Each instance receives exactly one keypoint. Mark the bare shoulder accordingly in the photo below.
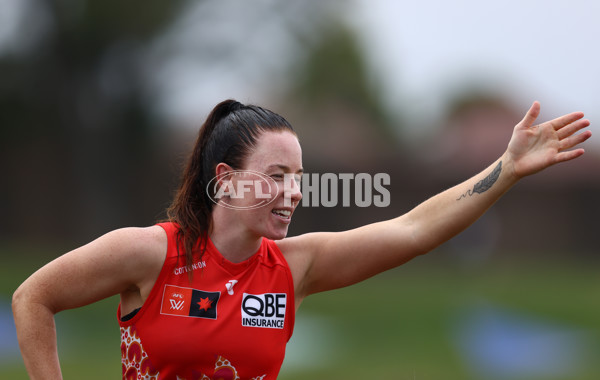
(123, 260)
(135, 253)
(146, 240)
(144, 248)
(292, 247)
(142, 254)
(299, 253)
(297, 245)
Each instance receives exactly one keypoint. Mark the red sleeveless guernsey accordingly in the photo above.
(231, 322)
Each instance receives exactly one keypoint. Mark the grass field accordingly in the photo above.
(430, 319)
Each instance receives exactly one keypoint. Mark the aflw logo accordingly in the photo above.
(177, 305)
(177, 301)
(188, 302)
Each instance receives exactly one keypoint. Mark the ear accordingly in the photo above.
(221, 171)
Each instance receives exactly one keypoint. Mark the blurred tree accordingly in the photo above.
(73, 129)
(233, 49)
(335, 70)
(335, 100)
(83, 83)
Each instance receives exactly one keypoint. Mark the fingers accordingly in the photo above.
(569, 155)
(570, 129)
(574, 140)
(531, 115)
(564, 120)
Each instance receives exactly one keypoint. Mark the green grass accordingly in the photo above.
(398, 325)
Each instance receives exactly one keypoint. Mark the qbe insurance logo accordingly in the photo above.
(264, 310)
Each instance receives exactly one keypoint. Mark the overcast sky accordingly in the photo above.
(426, 51)
(544, 50)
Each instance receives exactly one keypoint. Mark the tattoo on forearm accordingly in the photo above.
(485, 184)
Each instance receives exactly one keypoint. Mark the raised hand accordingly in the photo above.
(535, 147)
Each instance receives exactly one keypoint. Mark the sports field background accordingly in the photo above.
(512, 318)
(100, 100)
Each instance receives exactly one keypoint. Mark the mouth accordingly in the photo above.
(282, 214)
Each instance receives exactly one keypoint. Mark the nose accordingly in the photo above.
(292, 193)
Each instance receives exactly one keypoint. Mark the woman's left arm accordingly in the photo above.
(531, 149)
(324, 261)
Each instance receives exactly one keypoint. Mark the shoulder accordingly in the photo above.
(134, 239)
(143, 243)
(135, 251)
(137, 255)
(303, 244)
(299, 252)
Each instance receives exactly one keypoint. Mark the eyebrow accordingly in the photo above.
(285, 168)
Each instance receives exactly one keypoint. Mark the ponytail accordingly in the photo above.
(228, 135)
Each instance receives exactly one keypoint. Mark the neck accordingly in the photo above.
(235, 243)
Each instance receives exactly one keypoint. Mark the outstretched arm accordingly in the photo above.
(323, 261)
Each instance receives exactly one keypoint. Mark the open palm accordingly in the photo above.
(536, 147)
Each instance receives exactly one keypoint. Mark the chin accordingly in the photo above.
(276, 235)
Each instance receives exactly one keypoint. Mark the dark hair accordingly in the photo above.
(228, 135)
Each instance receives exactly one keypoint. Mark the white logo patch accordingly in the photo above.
(264, 310)
(229, 286)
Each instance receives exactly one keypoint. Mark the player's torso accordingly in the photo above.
(230, 320)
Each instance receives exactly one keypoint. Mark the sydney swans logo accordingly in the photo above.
(226, 188)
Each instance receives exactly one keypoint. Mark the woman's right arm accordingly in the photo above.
(123, 261)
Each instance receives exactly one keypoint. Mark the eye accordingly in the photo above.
(289, 177)
(277, 176)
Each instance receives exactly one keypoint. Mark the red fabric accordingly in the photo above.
(231, 322)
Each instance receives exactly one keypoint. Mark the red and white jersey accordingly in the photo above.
(232, 321)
